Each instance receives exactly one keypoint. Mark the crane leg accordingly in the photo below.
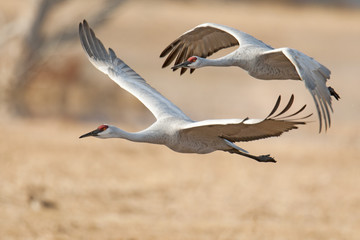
(333, 93)
(261, 158)
(236, 149)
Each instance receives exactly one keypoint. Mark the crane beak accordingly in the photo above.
(181, 65)
(91, 134)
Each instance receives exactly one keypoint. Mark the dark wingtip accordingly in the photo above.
(163, 53)
(291, 101)
(85, 23)
(182, 71)
(82, 24)
(165, 64)
(275, 107)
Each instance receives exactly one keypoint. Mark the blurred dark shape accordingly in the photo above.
(343, 3)
(37, 199)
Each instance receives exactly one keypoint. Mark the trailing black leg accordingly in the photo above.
(333, 93)
(261, 158)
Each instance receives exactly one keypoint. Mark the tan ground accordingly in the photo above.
(55, 186)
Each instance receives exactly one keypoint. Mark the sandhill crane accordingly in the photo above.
(172, 127)
(261, 61)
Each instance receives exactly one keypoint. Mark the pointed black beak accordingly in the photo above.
(91, 134)
(181, 65)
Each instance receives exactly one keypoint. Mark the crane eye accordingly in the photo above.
(192, 59)
(103, 127)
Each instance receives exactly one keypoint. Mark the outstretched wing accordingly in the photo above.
(236, 130)
(124, 76)
(202, 41)
(313, 74)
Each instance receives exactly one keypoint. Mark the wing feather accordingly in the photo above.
(314, 76)
(296, 65)
(203, 41)
(236, 130)
(124, 76)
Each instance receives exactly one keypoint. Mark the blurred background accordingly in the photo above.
(55, 186)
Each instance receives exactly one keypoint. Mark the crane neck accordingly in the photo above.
(232, 59)
(146, 136)
(223, 62)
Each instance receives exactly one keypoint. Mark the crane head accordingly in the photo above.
(191, 62)
(98, 132)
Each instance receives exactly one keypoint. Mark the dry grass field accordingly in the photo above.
(54, 185)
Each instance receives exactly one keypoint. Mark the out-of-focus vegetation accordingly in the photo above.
(33, 42)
